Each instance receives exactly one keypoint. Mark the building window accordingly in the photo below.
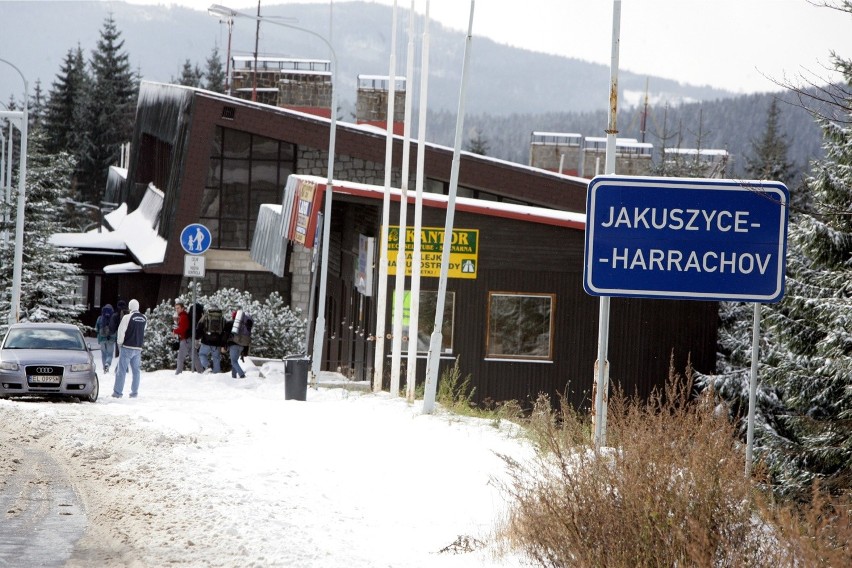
(245, 171)
(426, 320)
(520, 326)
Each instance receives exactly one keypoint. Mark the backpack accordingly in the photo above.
(104, 321)
(215, 321)
(241, 331)
(115, 320)
(198, 309)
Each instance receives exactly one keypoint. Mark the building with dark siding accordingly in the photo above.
(219, 160)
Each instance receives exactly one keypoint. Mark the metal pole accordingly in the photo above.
(230, 21)
(752, 387)
(3, 185)
(256, 40)
(436, 339)
(382, 290)
(319, 328)
(396, 346)
(8, 187)
(15, 308)
(601, 390)
(194, 316)
(414, 306)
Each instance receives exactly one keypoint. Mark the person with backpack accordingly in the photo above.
(211, 334)
(106, 337)
(239, 339)
(120, 311)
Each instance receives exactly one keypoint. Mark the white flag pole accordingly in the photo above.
(414, 311)
(436, 339)
(382, 291)
(396, 351)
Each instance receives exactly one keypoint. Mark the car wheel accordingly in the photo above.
(93, 396)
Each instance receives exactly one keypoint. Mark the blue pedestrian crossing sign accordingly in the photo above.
(195, 238)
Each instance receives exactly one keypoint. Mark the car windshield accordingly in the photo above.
(44, 338)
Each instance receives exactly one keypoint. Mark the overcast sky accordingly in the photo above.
(738, 45)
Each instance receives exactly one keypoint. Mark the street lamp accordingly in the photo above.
(229, 20)
(319, 327)
(15, 304)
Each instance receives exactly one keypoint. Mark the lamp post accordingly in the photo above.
(319, 326)
(22, 116)
(229, 20)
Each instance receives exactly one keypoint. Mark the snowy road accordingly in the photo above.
(205, 470)
(40, 506)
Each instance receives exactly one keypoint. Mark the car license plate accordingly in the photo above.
(44, 379)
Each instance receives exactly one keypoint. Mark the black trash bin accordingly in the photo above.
(296, 377)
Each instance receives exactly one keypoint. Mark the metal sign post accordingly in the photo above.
(195, 240)
(698, 239)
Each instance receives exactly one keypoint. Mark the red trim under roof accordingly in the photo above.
(480, 207)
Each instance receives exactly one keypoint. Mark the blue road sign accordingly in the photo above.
(195, 238)
(701, 239)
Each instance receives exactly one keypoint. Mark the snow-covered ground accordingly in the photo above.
(206, 470)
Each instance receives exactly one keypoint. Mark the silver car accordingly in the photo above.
(47, 359)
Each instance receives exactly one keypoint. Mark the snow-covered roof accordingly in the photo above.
(619, 142)
(557, 134)
(697, 151)
(123, 268)
(134, 232)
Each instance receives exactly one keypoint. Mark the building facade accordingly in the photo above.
(217, 160)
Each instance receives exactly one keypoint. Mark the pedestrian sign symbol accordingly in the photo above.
(195, 239)
(469, 266)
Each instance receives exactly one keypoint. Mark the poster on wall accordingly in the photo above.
(464, 251)
(364, 266)
(306, 202)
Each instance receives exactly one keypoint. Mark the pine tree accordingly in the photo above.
(49, 279)
(768, 159)
(769, 153)
(65, 103)
(36, 107)
(109, 112)
(803, 426)
(478, 144)
(189, 76)
(214, 75)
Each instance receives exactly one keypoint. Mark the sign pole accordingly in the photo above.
(195, 239)
(752, 387)
(601, 385)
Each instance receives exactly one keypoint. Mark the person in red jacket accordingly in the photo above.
(183, 333)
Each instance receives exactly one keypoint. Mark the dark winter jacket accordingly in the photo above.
(131, 332)
(120, 311)
(209, 338)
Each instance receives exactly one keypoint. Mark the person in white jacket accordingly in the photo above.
(131, 332)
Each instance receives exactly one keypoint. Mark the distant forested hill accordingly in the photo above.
(512, 91)
(159, 39)
(731, 124)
